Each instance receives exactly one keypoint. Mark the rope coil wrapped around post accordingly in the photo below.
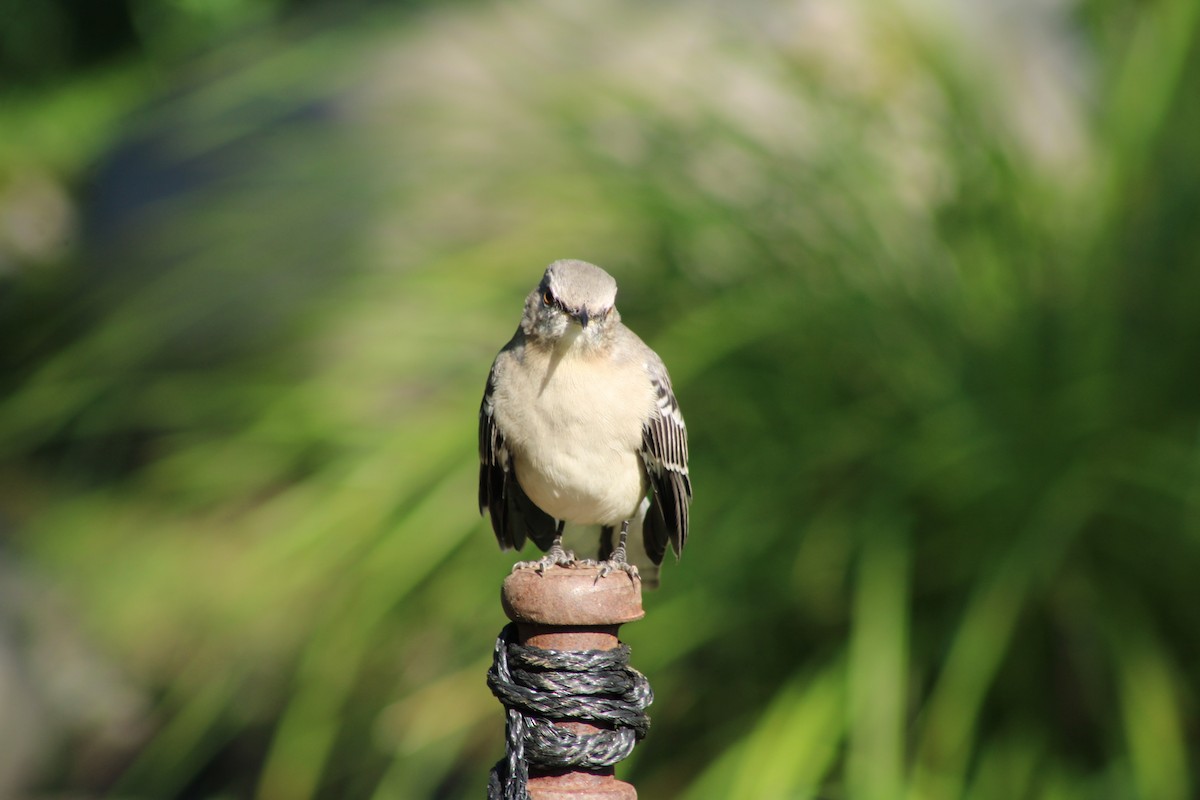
(537, 686)
(574, 706)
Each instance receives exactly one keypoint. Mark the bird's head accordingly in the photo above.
(575, 302)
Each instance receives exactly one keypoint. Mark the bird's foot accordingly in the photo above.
(617, 561)
(555, 556)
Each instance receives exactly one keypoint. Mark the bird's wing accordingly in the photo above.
(513, 514)
(665, 454)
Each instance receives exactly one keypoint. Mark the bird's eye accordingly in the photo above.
(548, 298)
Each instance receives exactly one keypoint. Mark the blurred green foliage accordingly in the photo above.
(926, 277)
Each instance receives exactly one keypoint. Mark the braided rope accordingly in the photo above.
(539, 687)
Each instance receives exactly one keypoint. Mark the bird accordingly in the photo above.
(579, 426)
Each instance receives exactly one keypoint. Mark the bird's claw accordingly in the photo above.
(617, 561)
(556, 556)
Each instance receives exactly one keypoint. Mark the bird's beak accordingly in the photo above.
(583, 318)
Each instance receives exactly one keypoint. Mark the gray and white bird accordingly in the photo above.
(579, 426)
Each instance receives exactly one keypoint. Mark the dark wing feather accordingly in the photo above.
(513, 514)
(665, 455)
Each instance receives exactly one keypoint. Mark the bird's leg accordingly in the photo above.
(555, 556)
(617, 560)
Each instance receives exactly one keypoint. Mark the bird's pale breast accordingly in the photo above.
(575, 430)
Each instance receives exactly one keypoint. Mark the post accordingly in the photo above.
(573, 609)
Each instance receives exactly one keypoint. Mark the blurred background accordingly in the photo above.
(927, 277)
